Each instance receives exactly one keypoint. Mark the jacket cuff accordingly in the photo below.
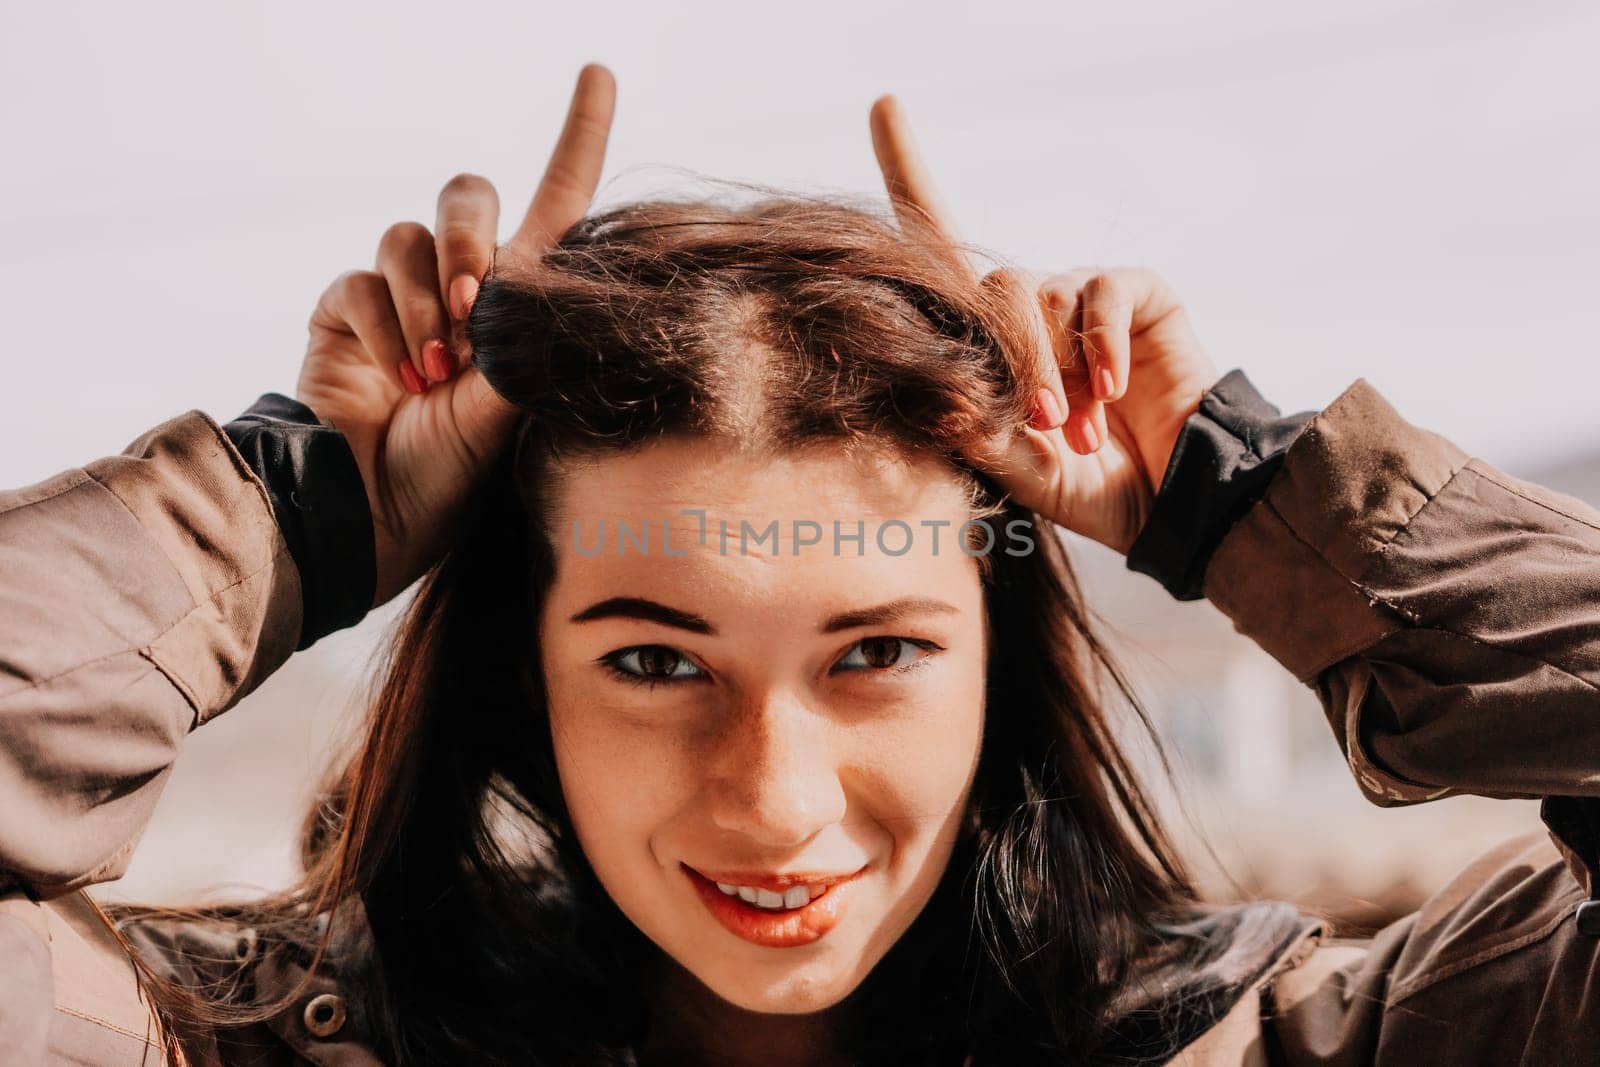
(320, 504)
(1225, 455)
(1294, 574)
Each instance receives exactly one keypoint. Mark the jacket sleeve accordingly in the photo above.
(1226, 455)
(1446, 614)
(140, 595)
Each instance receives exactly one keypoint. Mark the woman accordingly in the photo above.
(695, 747)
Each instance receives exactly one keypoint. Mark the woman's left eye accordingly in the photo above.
(887, 654)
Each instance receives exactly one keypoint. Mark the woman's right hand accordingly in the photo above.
(423, 422)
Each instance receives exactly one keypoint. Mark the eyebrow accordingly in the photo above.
(633, 607)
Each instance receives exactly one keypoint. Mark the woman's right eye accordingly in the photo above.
(651, 664)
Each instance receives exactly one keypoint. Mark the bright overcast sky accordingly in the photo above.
(1400, 190)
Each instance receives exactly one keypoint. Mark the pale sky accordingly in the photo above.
(1401, 190)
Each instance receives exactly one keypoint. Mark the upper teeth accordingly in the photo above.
(797, 896)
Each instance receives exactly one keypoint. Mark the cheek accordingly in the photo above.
(910, 765)
(914, 781)
(924, 761)
(621, 778)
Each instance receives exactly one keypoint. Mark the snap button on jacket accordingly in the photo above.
(324, 1014)
(1446, 614)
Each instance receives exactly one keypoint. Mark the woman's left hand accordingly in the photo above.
(1124, 367)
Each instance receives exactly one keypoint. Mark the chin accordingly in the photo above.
(799, 992)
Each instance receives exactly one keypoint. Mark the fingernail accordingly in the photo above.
(1046, 411)
(1104, 386)
(436, 359)
(411, 380)
(1086, 433)
(463, 294)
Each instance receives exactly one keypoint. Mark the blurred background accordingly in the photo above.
(1401, 190)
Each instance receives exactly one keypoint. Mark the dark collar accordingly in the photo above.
(1197, 970)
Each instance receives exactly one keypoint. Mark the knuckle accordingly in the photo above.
(372, 284)
(1102, 340)
(465, 185)
(345, 281)
(460, 243)
(1102, 289)
(1067, 282)
(1058, 296)
(422, 312)
(1006, 278)
(590, 127)
(404, 237)
(1156, 300)
(1146, 281)
(1113, 298)
(362, 284)
(348, 298)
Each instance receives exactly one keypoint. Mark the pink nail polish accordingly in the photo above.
(463, 294)
(410, 380)
(1046, 411)
(1091, 439)
(1104, 385)
(436, 359)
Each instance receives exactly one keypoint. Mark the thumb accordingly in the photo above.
(483, 417)
(1028, 465)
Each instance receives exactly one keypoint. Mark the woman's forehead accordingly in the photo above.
(823, 482)
(813, 533)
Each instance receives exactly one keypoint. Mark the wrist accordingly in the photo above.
(1159, 459)
(320, 503)
(1224, 455)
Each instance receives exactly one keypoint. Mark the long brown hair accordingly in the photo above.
(641, 323)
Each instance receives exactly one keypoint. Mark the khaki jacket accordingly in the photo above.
(1447, 615)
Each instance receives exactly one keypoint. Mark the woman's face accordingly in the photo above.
(787, 724)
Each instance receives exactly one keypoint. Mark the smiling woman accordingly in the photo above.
(778, 785)
(766, 797)
(760, 737)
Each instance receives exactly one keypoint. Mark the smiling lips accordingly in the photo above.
(774, 911)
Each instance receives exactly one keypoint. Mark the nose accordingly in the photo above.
(775, 772)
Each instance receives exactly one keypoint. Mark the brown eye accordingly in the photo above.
(881, 652)
(887, 653)
(651, 663)
(658, 662)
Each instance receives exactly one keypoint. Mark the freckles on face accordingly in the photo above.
(802, 728)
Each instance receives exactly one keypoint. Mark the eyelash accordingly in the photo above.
(611, 661)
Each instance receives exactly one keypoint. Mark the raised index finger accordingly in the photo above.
(911, 189)
(573, 172)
